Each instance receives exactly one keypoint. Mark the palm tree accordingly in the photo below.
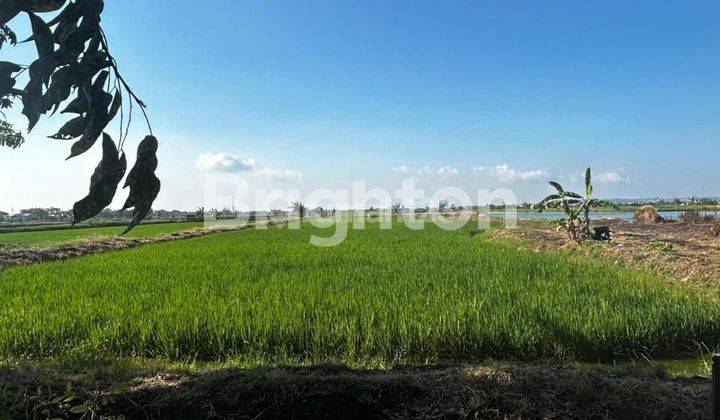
(298, 207)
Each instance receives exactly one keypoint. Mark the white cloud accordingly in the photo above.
(447, 170)
(425, 170)
(224, 162)
(609, 177)
(402, 169)
(287, 175)
(507, 174)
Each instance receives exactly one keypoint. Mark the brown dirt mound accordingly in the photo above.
(498, 391)
(648, 214)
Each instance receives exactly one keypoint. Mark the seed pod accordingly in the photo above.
(144, 185)
(103, 183)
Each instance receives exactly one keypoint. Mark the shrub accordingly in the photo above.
(694, 216)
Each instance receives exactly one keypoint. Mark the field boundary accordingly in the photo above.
(452, 391)
(41, 227)
(687, 253)
(15, 256)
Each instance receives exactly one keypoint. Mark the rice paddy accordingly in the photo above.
(388, 296)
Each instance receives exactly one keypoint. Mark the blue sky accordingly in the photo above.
(322, 93)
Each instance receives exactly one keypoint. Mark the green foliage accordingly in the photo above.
(662, 246)
(387, 295)
(9, 137)
(576, 208)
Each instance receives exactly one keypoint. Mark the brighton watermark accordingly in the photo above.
(338, 211)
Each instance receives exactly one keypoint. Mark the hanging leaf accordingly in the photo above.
(77, 64)
(67, 22)
(79, 105)
(32, 97)
(8, 10)
(45, 46)
(98, 116)
(97, 95)
(92, 131)
(59, 89)
(103, 183)
(72, 129)
(6, 85)
(9, 68)
(144, 184)
(41, 6)
(94, 44)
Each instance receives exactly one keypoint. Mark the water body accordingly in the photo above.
(624, 215)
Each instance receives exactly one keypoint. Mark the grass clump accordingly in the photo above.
(389, 295)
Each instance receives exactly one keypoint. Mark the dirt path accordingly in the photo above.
(680, 250)
(459, 391)
(12, 256)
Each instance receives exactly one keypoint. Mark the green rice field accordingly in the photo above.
(58, 236)
(388, 296)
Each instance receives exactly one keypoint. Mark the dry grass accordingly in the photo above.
(687, 252)
(494, 390)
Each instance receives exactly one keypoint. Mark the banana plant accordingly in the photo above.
(298, 207)
(576, 208)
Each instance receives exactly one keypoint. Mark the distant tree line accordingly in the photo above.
(56, 215)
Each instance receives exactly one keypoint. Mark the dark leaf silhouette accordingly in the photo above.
(74, 64)
(72, 129)
(60, 88)
(6, 84)
(103, 182)
(8, 68)
(32, 97)
(45, 46)
(98, 116)
(8, 10)
(92, 131)
(79, 105)
(144, 185)
(41, 6)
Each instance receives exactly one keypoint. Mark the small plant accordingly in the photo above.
(694, 216)
(661, 246)
(575, 207)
